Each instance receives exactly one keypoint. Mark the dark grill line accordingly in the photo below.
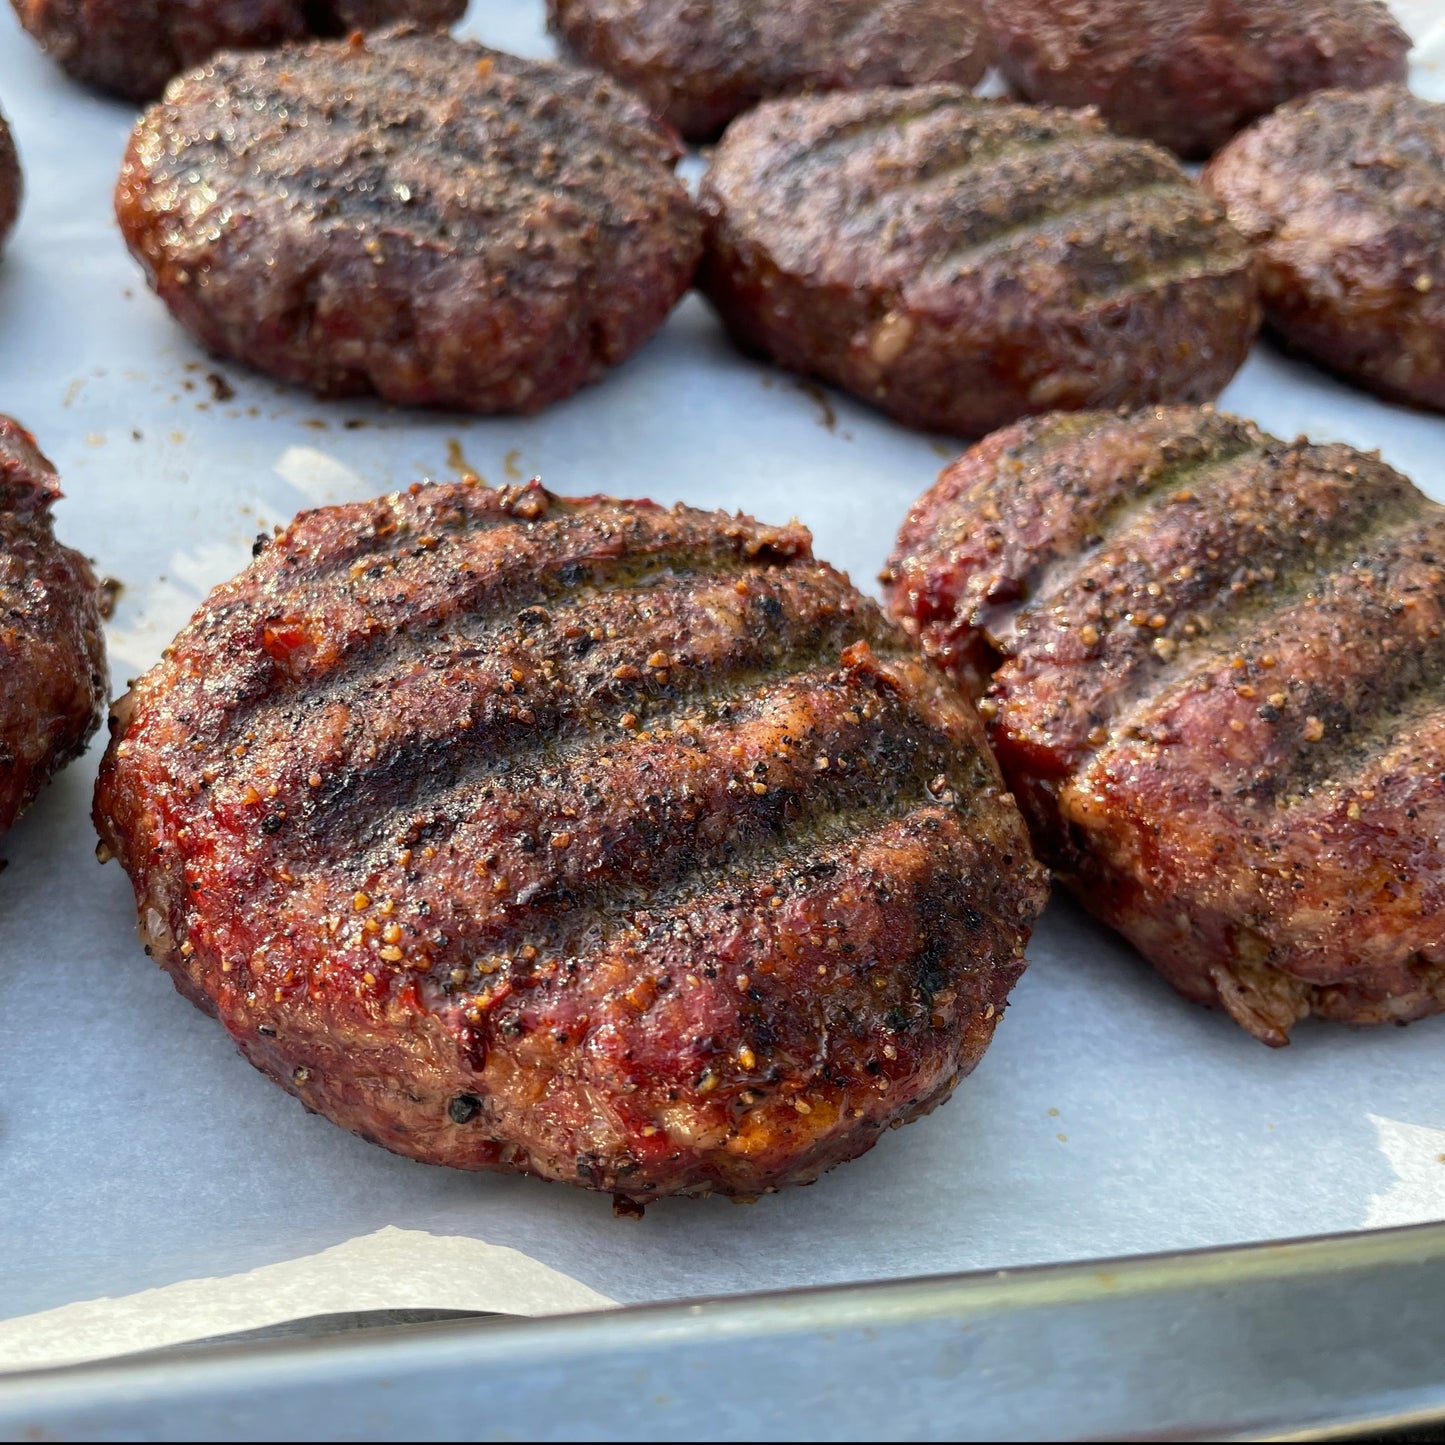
(368, 654)
(847, 831)
(1243, 612)
(1191, 264)
(1353, 750)
(434, 800)
(1014, 233)
(841, 137)
(421, 778)
(986, 148)
(1128, 515)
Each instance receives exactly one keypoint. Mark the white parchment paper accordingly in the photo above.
(154, 1188)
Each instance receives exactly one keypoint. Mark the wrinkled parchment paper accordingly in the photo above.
(154, 1188)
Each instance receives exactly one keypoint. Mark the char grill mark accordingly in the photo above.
(960, 150)
(716, 944)
(977, 263)
(760, 701)
(776, 740)
(1186, 585)
(1348, 648)
(1042, 532)
(1063, 572)
(1084, 221)
(900, 120)
(1217, 679)
(893, 859)
(357, 142)
(996, 184)
(430, 582)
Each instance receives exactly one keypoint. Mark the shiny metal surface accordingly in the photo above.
(1304, 1340)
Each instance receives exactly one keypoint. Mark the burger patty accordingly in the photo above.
(698, 65)
(1211, 665)
(11, 182)
(1343, 194)
(621, 846)
(52, 658)
(1189, 73)
(411, 215)
(961, 263)
(133, 47)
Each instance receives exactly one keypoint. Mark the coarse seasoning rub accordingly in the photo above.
(961, 263)
(53, 683)
(133, 47)
(1211, 664)
(700, 63)
(622, 846)
(410, 216)
(1189, 73)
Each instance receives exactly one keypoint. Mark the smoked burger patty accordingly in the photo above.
(1211, 665)
(701, 63)
(53, 684)
(412, 216)
(133, 47)
(961, 263)
(627, 847)
(1343, 196)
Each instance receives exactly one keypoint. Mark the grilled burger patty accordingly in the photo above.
(133, 47)
(961, 263)
(52, 658)
(1344, 196)
(698, 65)
(414, 216)
(11, 182)
(622, 846)
(1211, 664)
(1190, 73)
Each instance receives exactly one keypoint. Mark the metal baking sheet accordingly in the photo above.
(1196, 1346)
(153, 1187)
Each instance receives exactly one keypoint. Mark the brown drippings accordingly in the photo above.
(110, 590)
(815, 393)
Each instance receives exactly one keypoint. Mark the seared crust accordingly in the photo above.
(701, 63)
(1344, 196)
(133, 47)
(962, 263)
(622, 846)
(52, 657)
(1212, 668)
(11, 183)
(416, 216)
(1190, 73)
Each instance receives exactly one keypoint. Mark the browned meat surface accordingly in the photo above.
(1189, 73)
(414, 216)
(1344, 196)
(52, 657)
(1212, 667)
(627, 847)
(11, 184)
(702, 62)
(961, 263)
(133, 47)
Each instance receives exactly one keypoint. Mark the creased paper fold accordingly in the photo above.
(391, 1269)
